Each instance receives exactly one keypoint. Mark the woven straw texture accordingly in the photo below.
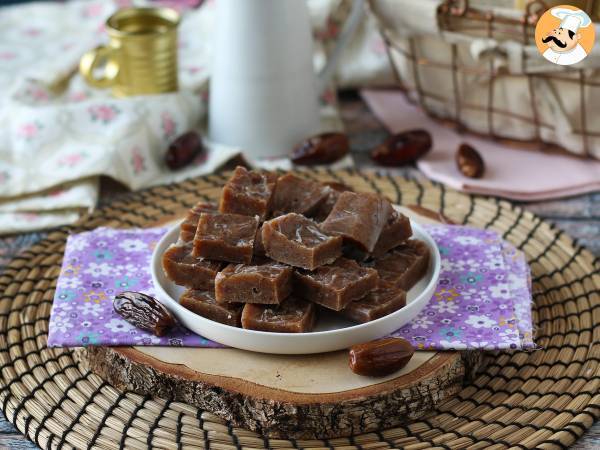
(544, 399)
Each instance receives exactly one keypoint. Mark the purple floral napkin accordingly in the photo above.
(483, 299)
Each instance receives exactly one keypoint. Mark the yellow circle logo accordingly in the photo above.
(564, 35)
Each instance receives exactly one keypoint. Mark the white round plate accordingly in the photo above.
(331, 333)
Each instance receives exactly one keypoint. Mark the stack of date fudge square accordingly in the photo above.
(278, 249)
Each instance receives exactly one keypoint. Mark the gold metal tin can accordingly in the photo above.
(141, 56)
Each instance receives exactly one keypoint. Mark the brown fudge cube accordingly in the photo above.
(359, 218)
(381, 301)
(293, 194)
(225, 237)
(248, 193)
(395, 232)
(336, 285)
(203, 303)
(293, 315)
(190, 223)
(186, 270)
(334, 194)
(295, 240)
(405, 265)
(268, 282)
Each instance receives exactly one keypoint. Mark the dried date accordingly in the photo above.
(144, 312)
(402, 148)
(183, 150)
(381, 357)
(469, 161)
(325, 148)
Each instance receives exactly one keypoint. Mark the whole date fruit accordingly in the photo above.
(183, 150)
(325, 148)
(381, 357)
(402, 148)
(469, 161)
(144, 312)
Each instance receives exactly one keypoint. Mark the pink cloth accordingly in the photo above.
(510, 172)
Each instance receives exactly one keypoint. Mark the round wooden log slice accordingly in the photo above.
(302, 397)
(290, 396)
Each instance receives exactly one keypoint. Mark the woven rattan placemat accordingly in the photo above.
(545, 398)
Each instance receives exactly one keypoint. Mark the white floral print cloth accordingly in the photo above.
(482, 301)
(58, 135)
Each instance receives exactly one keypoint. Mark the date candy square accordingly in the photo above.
(293, 194)
(293, 315)
(405, 265)
(225, 237)
(359, 218)
(267, 282)
(295, 240)
(383, 300)
(248, 192)
(336, 285)
(186, 270)
(396, 231)
(203, 303)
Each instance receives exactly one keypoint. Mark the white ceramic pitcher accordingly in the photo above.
(263, 89)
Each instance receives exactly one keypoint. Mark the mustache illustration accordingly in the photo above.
(556, 41)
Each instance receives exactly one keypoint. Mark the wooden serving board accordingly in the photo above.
(291, 396)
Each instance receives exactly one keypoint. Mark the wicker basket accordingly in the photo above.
(480, 68)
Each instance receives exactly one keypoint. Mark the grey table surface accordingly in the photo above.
(579, 216)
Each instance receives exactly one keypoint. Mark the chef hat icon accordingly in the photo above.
(570, 19)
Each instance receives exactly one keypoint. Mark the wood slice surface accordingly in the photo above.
(289, 396)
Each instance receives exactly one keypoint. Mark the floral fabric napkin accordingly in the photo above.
(59, 134)
(483, 299)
